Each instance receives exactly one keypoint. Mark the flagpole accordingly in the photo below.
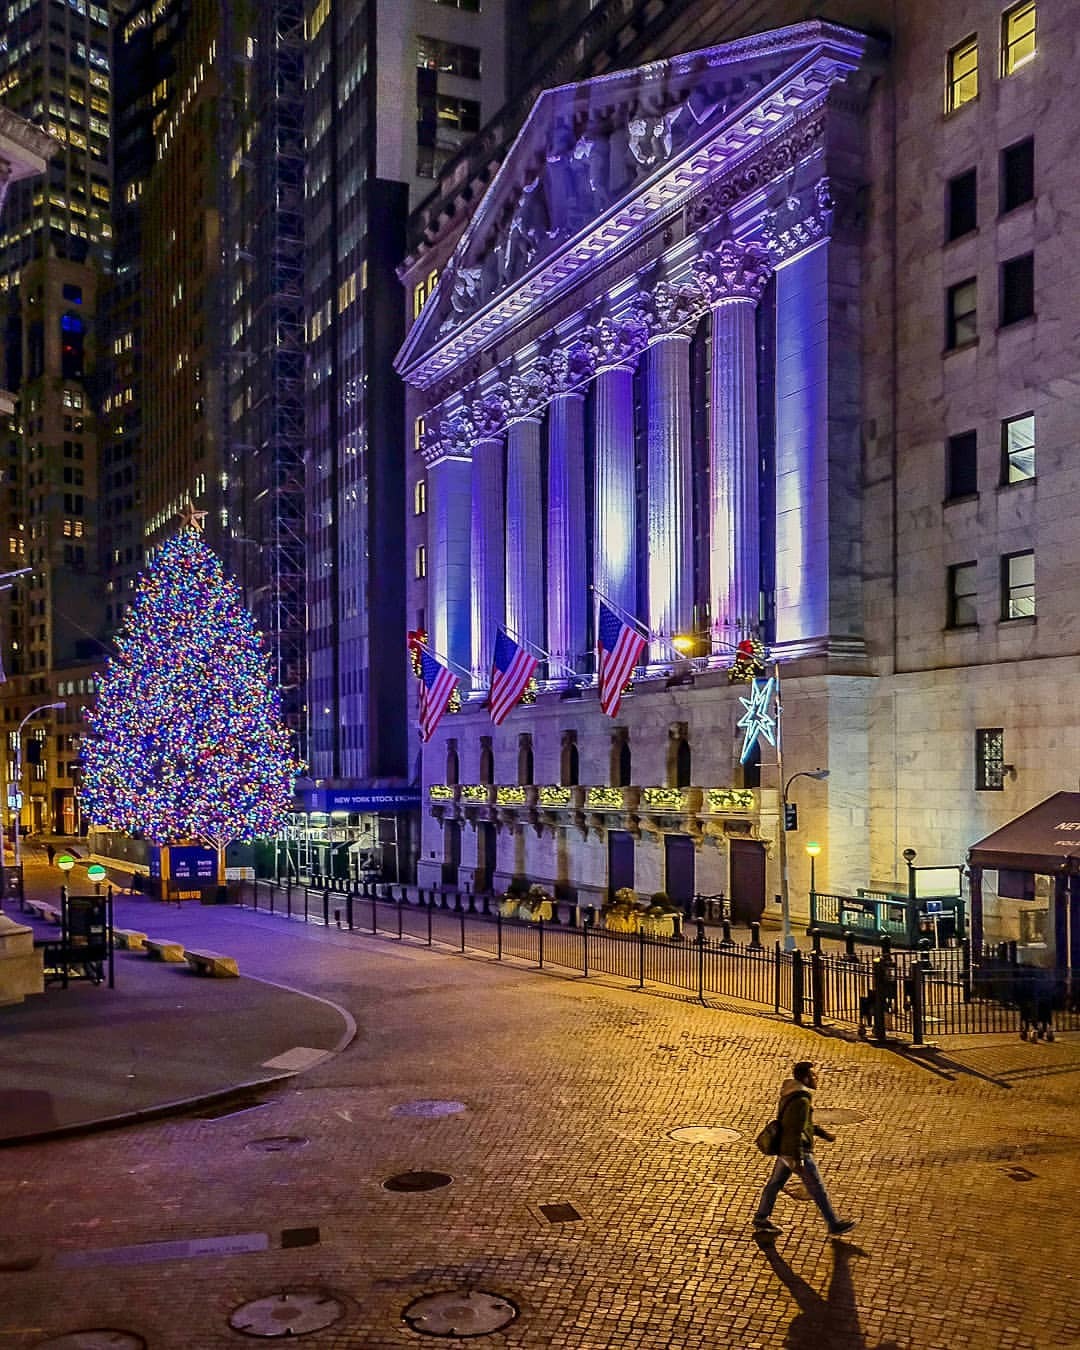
(539, 651)
(627, 618)
(445, 660)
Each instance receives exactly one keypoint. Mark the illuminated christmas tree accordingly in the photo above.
(186, 740)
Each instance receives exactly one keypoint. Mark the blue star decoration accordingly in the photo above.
(757, 720)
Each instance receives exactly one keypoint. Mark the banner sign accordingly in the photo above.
(328, 801)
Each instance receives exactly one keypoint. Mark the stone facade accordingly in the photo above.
(732, 262)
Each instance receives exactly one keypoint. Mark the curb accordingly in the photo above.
(184, 1105)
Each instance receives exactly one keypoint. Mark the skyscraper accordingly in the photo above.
(55, 241)
(393, 89)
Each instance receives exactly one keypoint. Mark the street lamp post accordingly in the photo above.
(44, 707)
(785, 897)
(812, 850)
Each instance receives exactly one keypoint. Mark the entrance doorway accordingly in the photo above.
(747, 880)
(451, 852)
(679, 869)
(484, 876)
(620, 861)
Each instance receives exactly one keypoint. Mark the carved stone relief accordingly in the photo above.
(732, 271)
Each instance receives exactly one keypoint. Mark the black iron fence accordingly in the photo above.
(914, 994)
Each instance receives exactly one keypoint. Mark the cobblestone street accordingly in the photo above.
(962, 1172)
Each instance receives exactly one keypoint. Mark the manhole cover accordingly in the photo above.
(295, 1312)
(704, 1134)
(277, 1143)
(417, 1181)
(99, 1338)
(428, 1108)
(460, 1312)
(839, 1115)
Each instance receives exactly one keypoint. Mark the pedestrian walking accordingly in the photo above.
(50, 852)
(795, 1153)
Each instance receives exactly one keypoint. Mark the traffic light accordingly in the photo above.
(791, 816)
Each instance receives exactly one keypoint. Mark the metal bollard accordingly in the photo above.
(337, 917)
(798, 972)
(727, 940)
(850, 954)
(815, 937)
(755, 935)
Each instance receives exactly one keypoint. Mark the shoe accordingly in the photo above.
(766, 1226)
(844, 1226)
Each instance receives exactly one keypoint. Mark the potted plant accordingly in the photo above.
(536, 905)
(511, 900)
(662, 918)
(623, 915)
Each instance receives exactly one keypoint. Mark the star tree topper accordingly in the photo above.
(191, 519)
(757, 720)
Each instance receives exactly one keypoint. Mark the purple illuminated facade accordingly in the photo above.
(734, 340)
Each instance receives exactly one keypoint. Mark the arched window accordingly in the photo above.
(568, 759)
(525, 758)
(487, 761)
(452, 766)
(682, 764)
(625, 765)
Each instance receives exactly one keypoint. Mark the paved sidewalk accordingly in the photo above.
(162, 1037)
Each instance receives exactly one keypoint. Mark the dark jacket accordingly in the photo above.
(796, 1117)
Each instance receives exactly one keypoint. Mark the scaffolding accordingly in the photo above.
(264, 261)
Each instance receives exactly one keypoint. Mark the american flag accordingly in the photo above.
(619, 645)
(511, 672)
(437, 685)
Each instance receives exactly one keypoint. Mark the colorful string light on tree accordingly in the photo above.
(186, 740)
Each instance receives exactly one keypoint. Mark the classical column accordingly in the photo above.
(567, 596)
(524, 534)
(819, 601)
(618, 347)
(670, 467)
(487, 534)
(449, 474)
(732, 280)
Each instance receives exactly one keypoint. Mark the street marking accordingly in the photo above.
(232, 1245)
(301, 1057)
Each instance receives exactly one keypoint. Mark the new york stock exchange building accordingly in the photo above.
(659, 371)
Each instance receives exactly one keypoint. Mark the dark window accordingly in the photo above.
(472, 5)
(72, 293)
(525, 759)
(1018, 448)
(961, 472)
(1018, 585)
(682, 765)
(963, 612)
(1017, 289)
(962, 215)
(449, 58)
(960, 325)
(989, 759)
(1017, 174)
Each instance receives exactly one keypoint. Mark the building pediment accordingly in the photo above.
(598, 163)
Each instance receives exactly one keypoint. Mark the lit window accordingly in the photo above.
(962, 78)
(962, 595)
(1017, 36)
(960, 324)
(418, 297)
(1018, 448)
(989, 759)
(420, 568)
(1018, 585)
(418, 433)
(420, 497)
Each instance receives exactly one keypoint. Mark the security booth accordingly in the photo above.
(1025, 885)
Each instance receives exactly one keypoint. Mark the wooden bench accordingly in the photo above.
(161, 949)
(211, 963)
(130, 938)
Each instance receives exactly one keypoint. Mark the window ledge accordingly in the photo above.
(1021, 621)
(1020, 482)
(1015, 210)
(961, 498)
(962, 347)
(1028, 321)
(960, 238)
(961, 628)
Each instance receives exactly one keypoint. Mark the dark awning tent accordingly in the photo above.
(1044, 840)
